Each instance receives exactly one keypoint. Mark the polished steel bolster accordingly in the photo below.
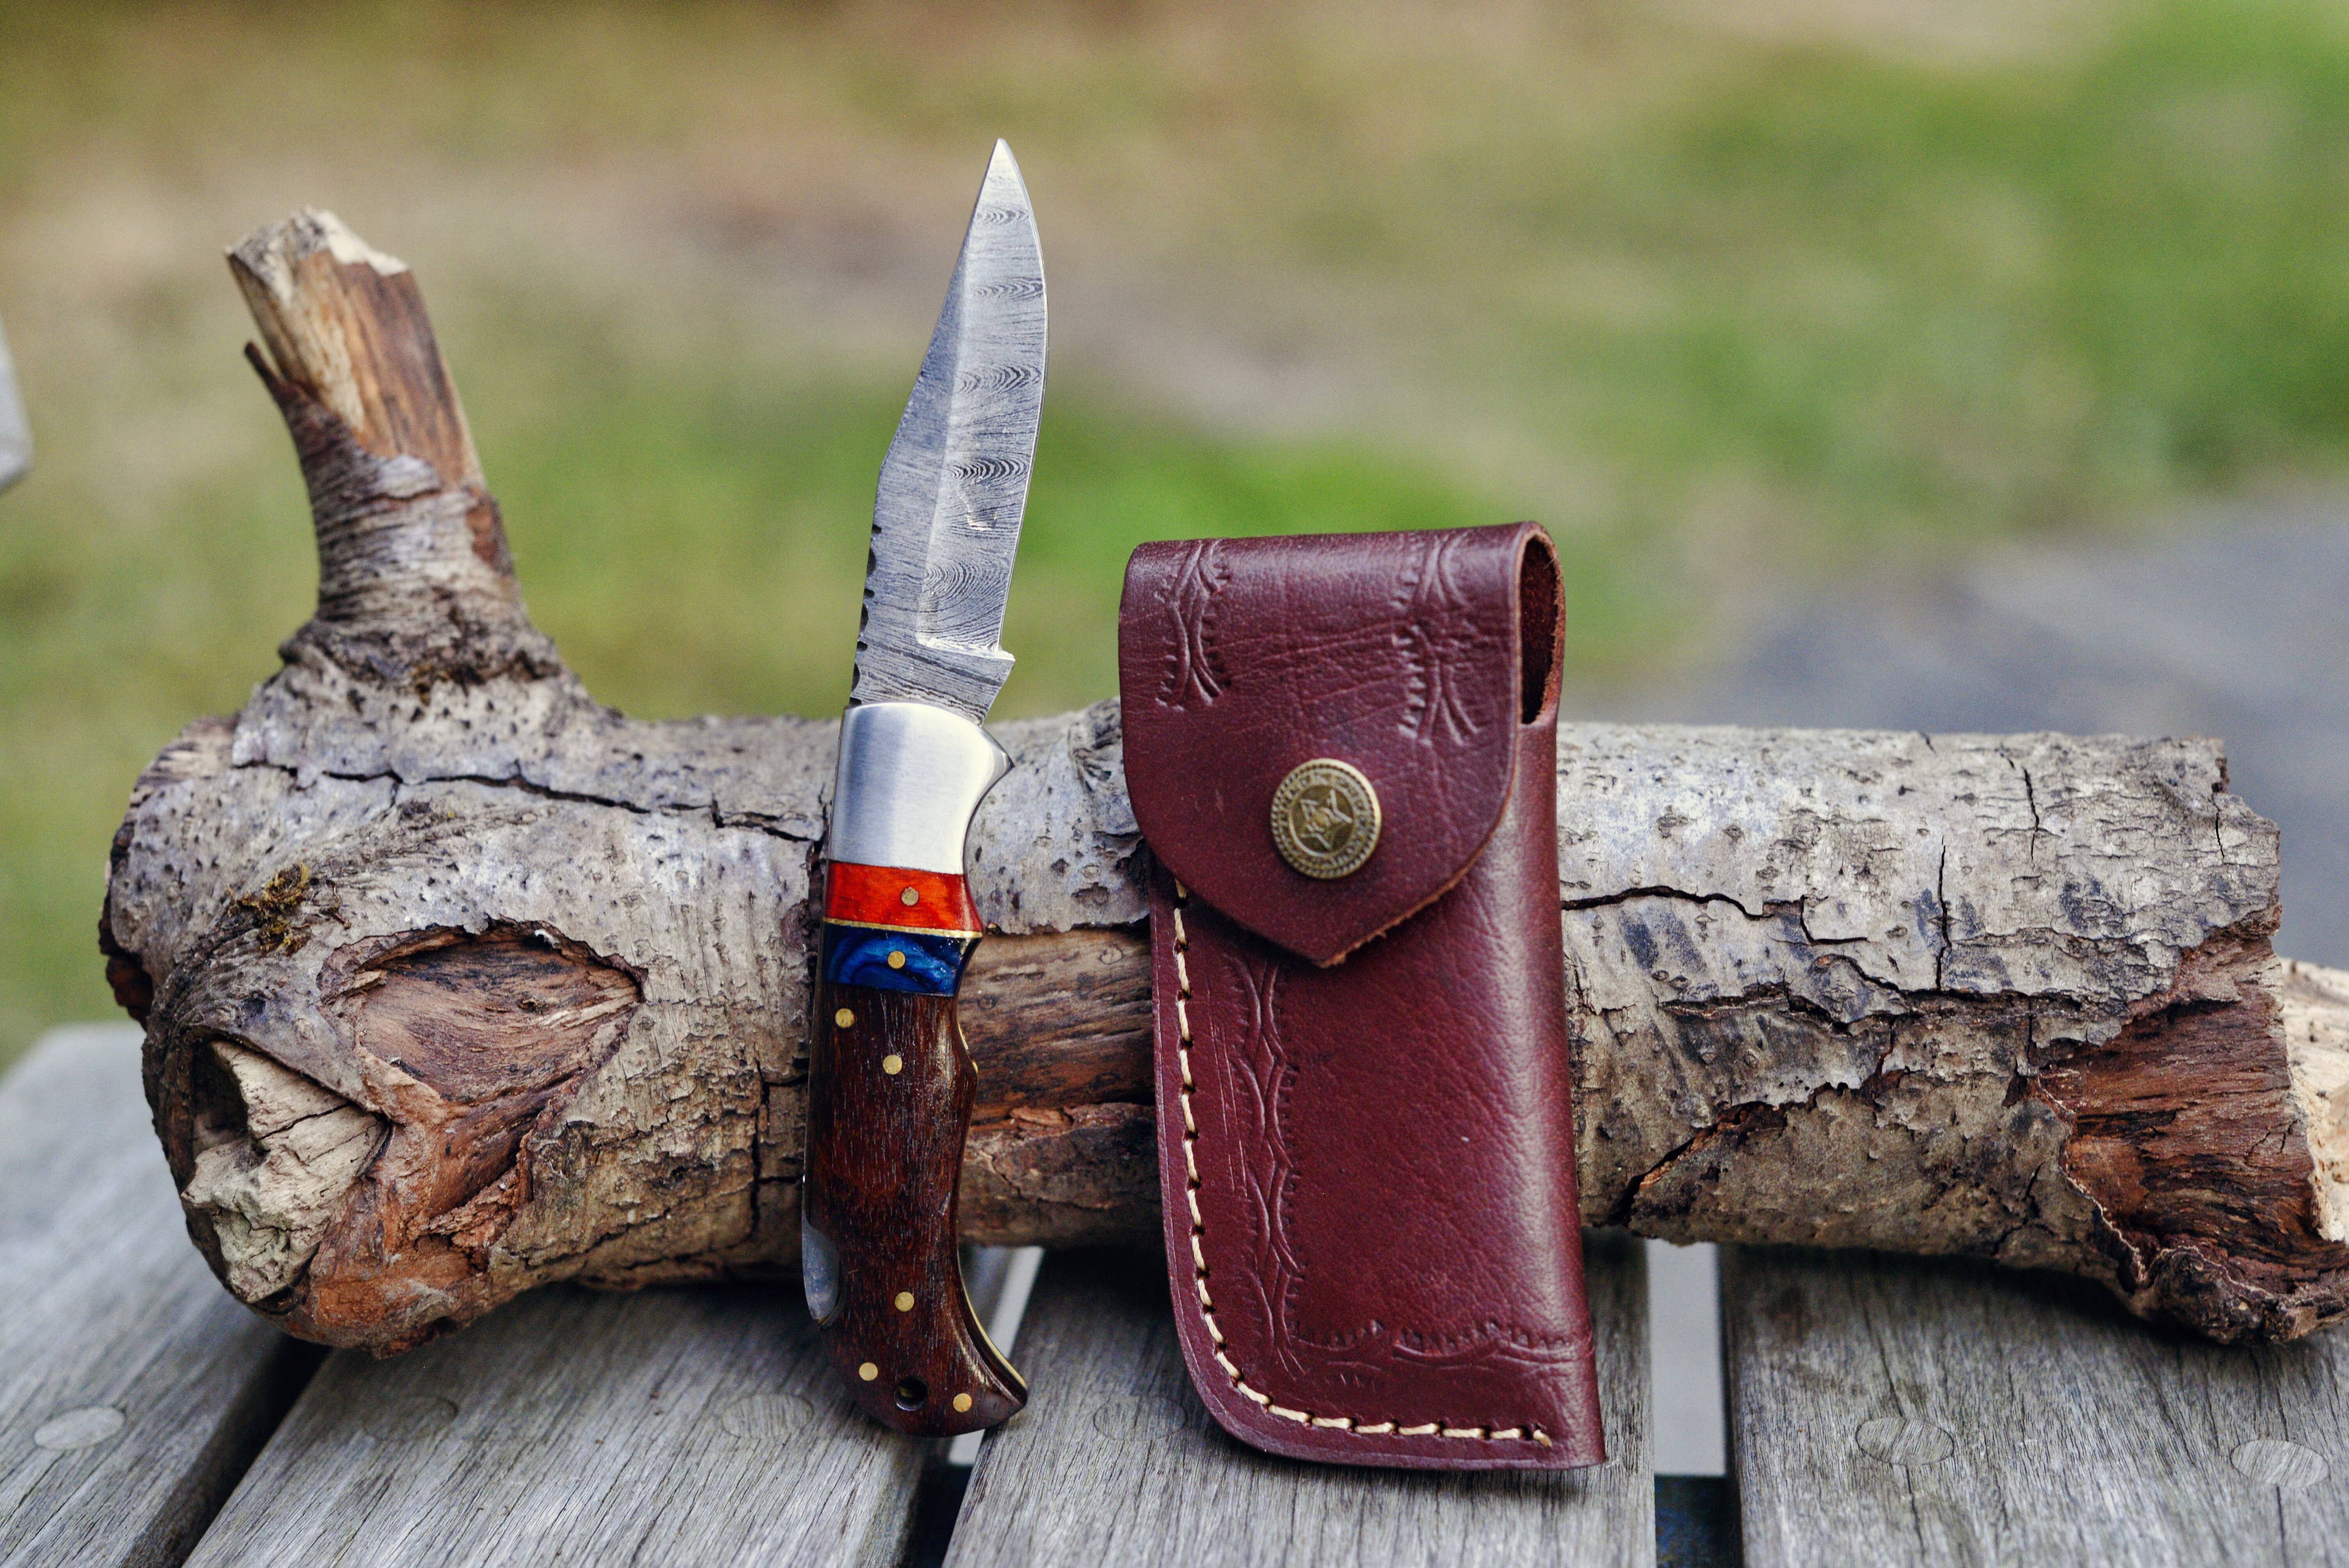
(910, 778)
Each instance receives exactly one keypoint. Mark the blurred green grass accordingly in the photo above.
(691, 548)
(1734, 312)
(740, 514)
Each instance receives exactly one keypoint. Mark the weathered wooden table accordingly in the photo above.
(1880, 1411)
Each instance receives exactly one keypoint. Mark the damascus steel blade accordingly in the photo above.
(946, 523)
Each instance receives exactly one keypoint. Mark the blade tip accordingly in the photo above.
(1001, 162)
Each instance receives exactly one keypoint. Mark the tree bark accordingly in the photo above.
(457, 983)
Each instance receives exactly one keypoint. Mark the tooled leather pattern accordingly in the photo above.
(1237, 1013)
(1433, 606)
(1245, 1014)
(1252, 1044)
(1368, 1167)
(1242, 659)
(1193, 675)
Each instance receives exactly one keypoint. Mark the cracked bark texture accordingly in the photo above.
(457, 983)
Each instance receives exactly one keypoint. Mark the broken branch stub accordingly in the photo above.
(417, 603)
(457, 983)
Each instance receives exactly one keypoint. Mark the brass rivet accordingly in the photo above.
(962, 1402)
(1325, 818)
(909, 897)
(868, 1372)
(844, 1018)
(893, 1064)
(896, 959)
(905, 1301)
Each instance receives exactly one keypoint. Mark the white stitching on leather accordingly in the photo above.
(1199, 1242)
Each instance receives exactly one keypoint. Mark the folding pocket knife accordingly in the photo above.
(890, 1083)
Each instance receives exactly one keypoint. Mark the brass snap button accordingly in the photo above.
(1325, 818)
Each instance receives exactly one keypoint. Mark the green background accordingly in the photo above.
(1742, 301)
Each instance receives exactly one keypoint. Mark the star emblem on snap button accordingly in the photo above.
(1325, 818)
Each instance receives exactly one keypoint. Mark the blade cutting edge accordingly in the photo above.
(953, 486)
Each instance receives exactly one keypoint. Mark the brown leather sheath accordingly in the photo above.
(1366, 1126)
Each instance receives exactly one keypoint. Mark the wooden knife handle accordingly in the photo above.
(890, 1086)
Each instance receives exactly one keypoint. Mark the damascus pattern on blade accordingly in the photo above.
(946, 523)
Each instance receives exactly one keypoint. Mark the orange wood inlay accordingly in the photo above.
(875, 896)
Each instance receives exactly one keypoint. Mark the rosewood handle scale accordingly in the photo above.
(885, 1162)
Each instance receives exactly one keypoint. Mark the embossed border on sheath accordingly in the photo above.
(1206, 1302)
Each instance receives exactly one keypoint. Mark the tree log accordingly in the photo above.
(457, 983)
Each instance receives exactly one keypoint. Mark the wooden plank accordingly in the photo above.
(1894, 1411)
(133, 1389)
(1115, 1461)
(674, 1426)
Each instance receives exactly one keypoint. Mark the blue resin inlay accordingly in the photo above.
(859, 955)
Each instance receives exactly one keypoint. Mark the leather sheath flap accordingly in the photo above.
(1394, 654)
